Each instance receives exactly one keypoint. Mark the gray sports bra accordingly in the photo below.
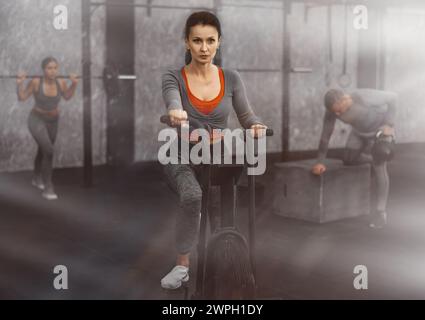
(44, 102)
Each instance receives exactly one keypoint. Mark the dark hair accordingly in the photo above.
(332, 96)
(47, 60)
(204, 18)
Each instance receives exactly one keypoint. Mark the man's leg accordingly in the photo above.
(353, 154)
(382, 191)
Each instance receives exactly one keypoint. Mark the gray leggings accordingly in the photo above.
(357, 152)
(44, 133)
(183, 179)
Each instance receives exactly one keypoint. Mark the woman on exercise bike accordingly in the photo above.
(204, 94)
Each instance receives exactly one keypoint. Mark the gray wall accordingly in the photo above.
(405, 70)
(309, 48)
(253, 40)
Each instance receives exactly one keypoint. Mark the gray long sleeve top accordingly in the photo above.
(371, 109)
(175, 96)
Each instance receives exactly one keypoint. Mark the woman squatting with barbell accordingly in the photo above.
(43, 118)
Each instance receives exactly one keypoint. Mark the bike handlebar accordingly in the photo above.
(166, 120)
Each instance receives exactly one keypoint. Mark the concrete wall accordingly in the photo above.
(405, 70)
(253, 40)
(309, 48)
(27, 36)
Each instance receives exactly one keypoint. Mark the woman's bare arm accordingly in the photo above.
(68, 92)
(24, 92)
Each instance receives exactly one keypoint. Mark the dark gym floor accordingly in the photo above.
(116, 239)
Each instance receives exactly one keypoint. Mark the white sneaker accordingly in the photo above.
(37, 182)
(49, 195)
(175, 277)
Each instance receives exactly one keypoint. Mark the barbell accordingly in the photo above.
(119, 77)
(110, 79)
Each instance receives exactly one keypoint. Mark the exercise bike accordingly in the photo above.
(235, 277)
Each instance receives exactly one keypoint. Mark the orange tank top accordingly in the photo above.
(202, 106)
